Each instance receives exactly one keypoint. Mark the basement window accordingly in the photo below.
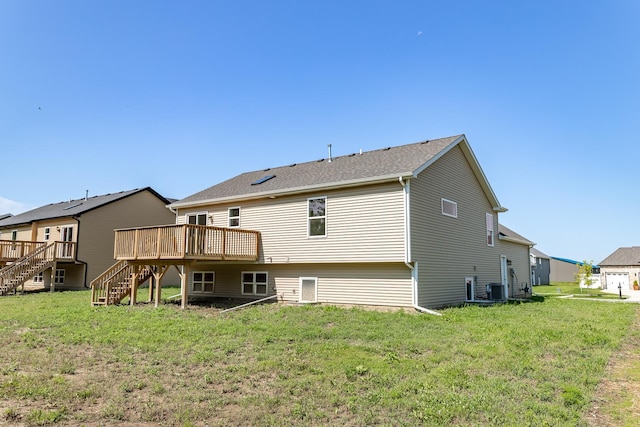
(254, 283)
(58, 279)
(203, 281)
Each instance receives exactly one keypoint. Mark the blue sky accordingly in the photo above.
(179, 95)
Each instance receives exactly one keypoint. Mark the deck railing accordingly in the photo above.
(186, 241)
(34, 262)
(11, 250)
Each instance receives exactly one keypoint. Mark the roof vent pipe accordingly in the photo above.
(86, 194)
(329, 146)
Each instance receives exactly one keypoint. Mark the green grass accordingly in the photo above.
(571, 288)
(64, 361)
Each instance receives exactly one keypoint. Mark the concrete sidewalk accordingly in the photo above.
(632, 296)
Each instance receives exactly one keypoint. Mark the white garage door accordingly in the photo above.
(615, 279)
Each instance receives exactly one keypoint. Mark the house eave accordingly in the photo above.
(475, 167)
(514, 240)
(293, 191)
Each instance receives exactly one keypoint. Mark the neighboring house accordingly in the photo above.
(540, 268)
(621, 268)
(566, 270)
(66, 245)
(407, 226)
(563, 269)
(516, 249)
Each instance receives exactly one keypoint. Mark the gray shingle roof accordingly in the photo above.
(539, 254)
(507, 232)
(355, 169)
(71, 208)
(623, 257)
(3, 216)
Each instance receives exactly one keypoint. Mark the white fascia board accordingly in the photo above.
(295, 190)
(514, 240)
(475, 167)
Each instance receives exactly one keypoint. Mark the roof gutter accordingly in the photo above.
(407, 249)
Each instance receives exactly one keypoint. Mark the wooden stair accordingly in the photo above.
(115, 284)
(24, 268)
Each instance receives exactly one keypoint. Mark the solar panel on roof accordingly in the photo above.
(263, 179)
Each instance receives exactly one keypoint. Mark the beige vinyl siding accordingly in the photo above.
(95, 246)
(365, 284)
(449, 249)
(364, 224)
(55, 226)
(73, 276)
(521, 265)
(24, 233)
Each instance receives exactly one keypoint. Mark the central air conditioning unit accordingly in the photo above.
(494, 291)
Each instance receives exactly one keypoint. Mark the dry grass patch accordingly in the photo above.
(617, 399)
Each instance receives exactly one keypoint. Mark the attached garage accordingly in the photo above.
(613, 280)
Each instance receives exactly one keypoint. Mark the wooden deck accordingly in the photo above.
(186, 242)
(11, 250)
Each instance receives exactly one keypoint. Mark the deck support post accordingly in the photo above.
(184, 284)
(134, 285)
(156, 302)
(52, 283)
(152, 284)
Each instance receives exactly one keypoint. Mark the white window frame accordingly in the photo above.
(47, 233)
(490, 230)
(234, 217)
(203, 282)
(38, 278)
(196, 215)
(316, 217)
(58, 278)
(470, 285)
(444, 202)
(14, 235)
(315, 296)
(254, 283)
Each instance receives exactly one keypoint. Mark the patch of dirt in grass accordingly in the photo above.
(615, 402)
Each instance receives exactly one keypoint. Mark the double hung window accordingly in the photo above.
(234, 217)
(489, 229)
(317, 217)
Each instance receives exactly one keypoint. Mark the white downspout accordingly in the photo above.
(407, 250)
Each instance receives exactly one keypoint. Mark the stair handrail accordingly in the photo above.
(100, 285)
(119, 273)
(26, 263)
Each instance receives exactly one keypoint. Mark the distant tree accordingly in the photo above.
(584, 276)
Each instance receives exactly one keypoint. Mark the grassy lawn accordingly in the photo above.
(64, 362)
